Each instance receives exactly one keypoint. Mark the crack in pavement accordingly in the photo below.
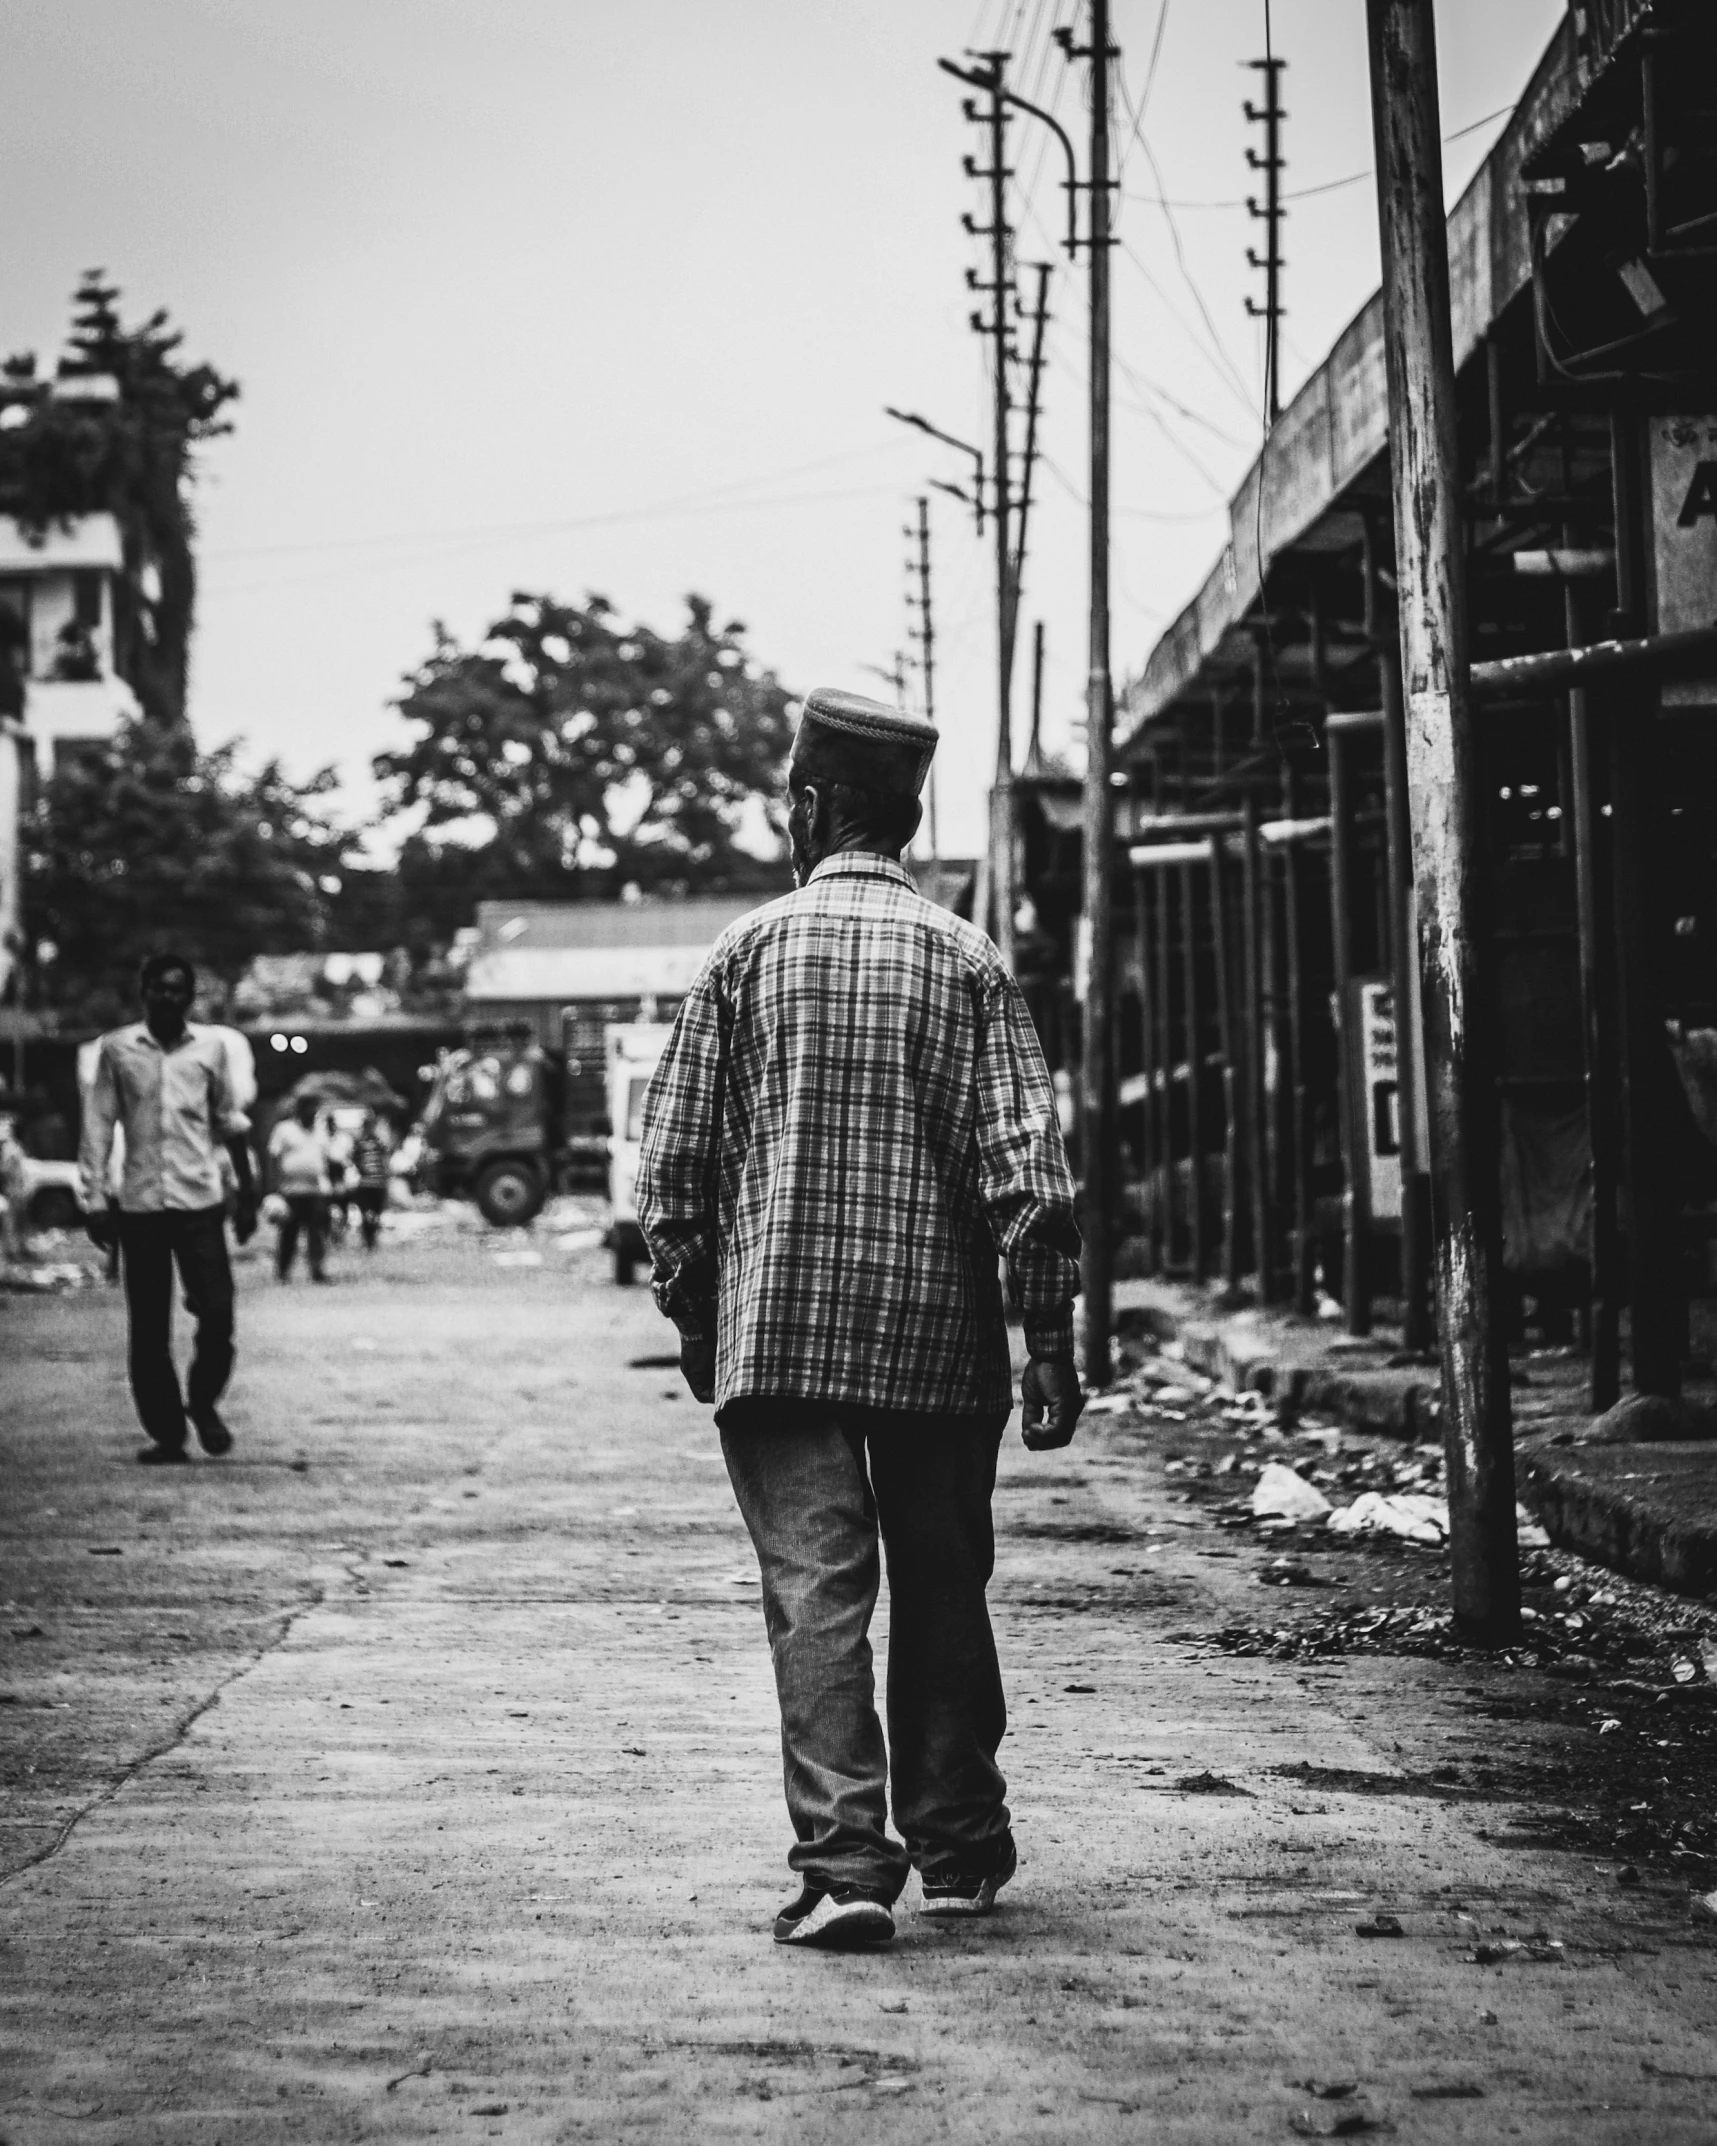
(170, 1742)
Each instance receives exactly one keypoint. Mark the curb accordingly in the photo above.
(1648, 1511)
(1643, 1527)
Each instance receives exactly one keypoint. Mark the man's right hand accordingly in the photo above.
(100, 1228)
(1050, 1390)
(697, 1365)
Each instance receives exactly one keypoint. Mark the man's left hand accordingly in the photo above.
(244, 1220)
(697, 1364)
(1049, 1387)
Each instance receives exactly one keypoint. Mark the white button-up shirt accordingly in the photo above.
(176, 1107)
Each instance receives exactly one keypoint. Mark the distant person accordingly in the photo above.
(166, 1085)
(851, 1123)
(14, 1190)
(370, 1158)
(298, 1150)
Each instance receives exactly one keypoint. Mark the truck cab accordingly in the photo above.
(490, 1129)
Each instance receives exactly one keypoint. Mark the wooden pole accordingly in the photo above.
(1656, 1300)
(1228, 1044)
(1144, 893)
(1598, 1037)
(1190, 1001)
(1162, 896)
(1355, 1186)
(1096, 1071)
(1443, 777)
(1304, 1300)
(1257, 1155)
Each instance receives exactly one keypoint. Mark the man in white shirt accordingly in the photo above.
(298, 1151)
(168, 1085)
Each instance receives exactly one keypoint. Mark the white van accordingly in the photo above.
(633, 1050)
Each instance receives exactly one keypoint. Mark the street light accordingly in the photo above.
(923, 424)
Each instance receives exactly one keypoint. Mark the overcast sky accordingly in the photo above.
(552, 295)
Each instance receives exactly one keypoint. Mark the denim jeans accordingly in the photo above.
(814, 1484)
(196, 1240)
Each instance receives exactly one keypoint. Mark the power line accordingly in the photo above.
(353, 569)
(1136, 116)
(1324, 186)
(704, 495)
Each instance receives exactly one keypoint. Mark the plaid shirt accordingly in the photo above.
(852, 1118)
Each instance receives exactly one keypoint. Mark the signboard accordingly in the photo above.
(1377, 1089)
(1684, 537)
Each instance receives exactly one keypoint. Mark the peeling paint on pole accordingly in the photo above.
(1443, 791)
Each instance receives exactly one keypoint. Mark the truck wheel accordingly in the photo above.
(509, 1194)
(625, 1268)
(53, 1207)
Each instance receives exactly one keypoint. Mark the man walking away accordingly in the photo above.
(370, 1163)
(298, 1151)
(166, 1086)
(852, 1120)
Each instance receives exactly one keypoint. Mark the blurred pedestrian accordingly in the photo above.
(298, 1152)
(14, 1190)
(852, 1120)
(370, 1159)
(165, 1084)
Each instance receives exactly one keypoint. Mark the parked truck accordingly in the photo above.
(509, 1123)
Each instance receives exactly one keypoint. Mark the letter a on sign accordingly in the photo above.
(1701, 497)
(1684, 538)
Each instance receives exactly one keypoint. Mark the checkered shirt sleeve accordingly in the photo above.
(851, 1122)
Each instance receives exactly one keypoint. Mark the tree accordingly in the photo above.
(582, 755)
(145, 842)
(131, 457)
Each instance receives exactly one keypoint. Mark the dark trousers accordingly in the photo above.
(371, 1200)
(816, 1486)
(194, 1239)
(306, 1211)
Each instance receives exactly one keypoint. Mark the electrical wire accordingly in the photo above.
(1325, 186)
(352, 570)
(417, 537)
(1218, 350)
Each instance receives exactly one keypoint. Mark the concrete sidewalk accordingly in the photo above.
(415, 1775)
(1648, 1510)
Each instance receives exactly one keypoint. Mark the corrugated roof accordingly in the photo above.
(563, 951)
(699, 921)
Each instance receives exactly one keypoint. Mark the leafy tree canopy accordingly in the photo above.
(146, 842)
(572, 755)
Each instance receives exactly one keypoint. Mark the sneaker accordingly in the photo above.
(838, 1921)
(162, 1457)
(949, 1890)
(212, 1433)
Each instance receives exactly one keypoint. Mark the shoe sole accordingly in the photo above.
(982, 1902)
(839, 1926)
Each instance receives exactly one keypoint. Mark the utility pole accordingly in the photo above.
(1442, 767)
(1034, 748)
(1096, 1072)
(1271, 213)
(1028, 461)
(991, 78)
(924, 633)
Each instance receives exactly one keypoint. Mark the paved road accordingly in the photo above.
(413, 1774)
